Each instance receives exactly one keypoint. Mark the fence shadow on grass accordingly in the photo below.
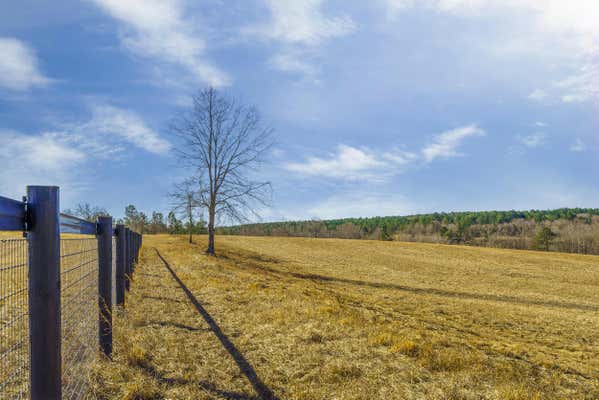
(245, 367)
(206, 386)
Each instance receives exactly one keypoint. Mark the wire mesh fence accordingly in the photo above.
(14, 324)
(79, 312)
(51, 333)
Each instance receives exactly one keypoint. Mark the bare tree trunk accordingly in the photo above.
(211, 212)
(190, 213)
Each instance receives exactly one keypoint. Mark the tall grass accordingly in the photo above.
(323, 319)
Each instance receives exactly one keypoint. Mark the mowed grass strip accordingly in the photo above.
(344, 319)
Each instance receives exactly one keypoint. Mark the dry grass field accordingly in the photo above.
(79, 312)
(295, 318)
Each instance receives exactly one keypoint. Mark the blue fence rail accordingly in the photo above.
(58, 288)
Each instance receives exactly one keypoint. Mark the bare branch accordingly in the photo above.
(223, 142)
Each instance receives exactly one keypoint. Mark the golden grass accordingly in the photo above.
(345, 319)
(10, 235)
(79, 311)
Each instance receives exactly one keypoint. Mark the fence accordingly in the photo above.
(58, 286)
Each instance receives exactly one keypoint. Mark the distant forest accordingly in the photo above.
(573, 230)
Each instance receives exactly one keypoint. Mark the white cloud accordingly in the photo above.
(578, 146)
(533, 140)
(126, 125)
(44, 159)
(538, 95)
(292, 61)
(19, 68)
(63, 156)
(540, 124)
(581, 86)
(570, 28)
(302, 21)
(301, 27)
(158, 29)
(445, 145)
(353, 163)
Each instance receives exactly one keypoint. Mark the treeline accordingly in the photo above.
(141, 222)
(574, 230)
(157, 223)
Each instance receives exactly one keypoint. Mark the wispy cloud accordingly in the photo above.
(578, 146)
(127, 125)
(353, 163)
(62, 155)
(19, 69)
(43, 159)
(534, 140)
(446, 144)
(583, 85)
(538, 95)
(293, 61)
(301, 27)
(570, 27)
(302, 21)
(158, 29)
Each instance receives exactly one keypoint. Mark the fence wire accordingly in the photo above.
(79, 313)
(14, 320)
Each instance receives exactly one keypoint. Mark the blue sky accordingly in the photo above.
(385, 107)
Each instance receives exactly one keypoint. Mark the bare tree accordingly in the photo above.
(224, 141)
(87, 212)
(185, 202)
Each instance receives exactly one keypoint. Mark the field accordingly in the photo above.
(295, 318)
(79, 313)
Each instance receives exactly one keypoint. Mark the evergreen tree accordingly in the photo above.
(544, 238)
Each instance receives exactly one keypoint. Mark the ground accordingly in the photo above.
(297, 318)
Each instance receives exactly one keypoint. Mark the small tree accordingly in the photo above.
(544, 238)
(174, 224)
(157, 224)
(142, 222)
(132, 217)
(223, 141)
(185, 203)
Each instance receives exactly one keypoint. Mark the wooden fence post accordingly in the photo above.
(128, 258)
(105, 284)
(121, 260)
(44, 292)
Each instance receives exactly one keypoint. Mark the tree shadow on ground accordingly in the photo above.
(254, 263)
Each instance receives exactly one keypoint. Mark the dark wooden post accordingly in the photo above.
(105, 284)
(44, 292)
(121, 260)
(127, 259)
(135, 253)
(136, 248)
